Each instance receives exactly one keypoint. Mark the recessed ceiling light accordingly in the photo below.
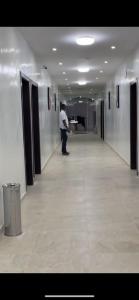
(60, 63)
(83, 70)
(66, 78)
(101, 71)
(63, 73)
(82, 82)
(113, 47)
(106, 62)
(97, 78)
(54, 49)
(85, 41)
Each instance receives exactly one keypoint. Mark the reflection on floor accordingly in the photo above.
(82, 215)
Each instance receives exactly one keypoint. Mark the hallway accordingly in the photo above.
(82, 215)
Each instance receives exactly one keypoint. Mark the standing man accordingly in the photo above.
(64, 127)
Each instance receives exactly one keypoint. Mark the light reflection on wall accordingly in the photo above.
(35, 74)
(8, 70)
(14, 83)
(41, 83)
(26, 65)
(9, 50)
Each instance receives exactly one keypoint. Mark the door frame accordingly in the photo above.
(135, 81)
(102, 119)
(30, 82)
(36, 128)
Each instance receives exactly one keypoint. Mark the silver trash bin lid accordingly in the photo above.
(11, 185)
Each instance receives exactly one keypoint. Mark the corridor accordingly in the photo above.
(82, 215)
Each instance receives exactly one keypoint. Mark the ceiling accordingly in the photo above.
(43, 39)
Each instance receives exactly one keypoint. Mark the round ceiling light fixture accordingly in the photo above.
(113, 47)
(60, 63)
(82, 82)
(83, 69)
(54, 49)
(85, 41)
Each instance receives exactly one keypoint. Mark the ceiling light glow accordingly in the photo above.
(82, 82)
(85, 41)
(83, 69)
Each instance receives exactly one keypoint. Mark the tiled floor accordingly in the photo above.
(82, 215)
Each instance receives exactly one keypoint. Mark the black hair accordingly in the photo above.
(63, 106)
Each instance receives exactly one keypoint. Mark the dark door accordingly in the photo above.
(27, 130)
(36, 129)
(94, 119)
(60, 105)
(133, 126)
(102, 119)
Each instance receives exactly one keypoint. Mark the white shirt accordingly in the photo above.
(63, 117)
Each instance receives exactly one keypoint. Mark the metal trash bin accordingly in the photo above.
(12, 209)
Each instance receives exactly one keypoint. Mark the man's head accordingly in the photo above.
(63, 106)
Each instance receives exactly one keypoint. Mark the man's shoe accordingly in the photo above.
(66, 153)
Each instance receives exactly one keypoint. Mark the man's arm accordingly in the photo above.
(65, 124)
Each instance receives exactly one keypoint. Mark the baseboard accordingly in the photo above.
(49, 157)
(117, 153)
(23, 195)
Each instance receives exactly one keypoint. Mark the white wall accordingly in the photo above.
(91, 117)
(49, 120)
(16, 56)
(117, 121)
(98, 116)
(61, 97)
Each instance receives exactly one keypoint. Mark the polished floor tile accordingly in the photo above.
(81, 215)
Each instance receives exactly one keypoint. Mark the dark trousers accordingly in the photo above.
(64, 138)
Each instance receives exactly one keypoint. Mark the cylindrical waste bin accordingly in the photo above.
(12, 209)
